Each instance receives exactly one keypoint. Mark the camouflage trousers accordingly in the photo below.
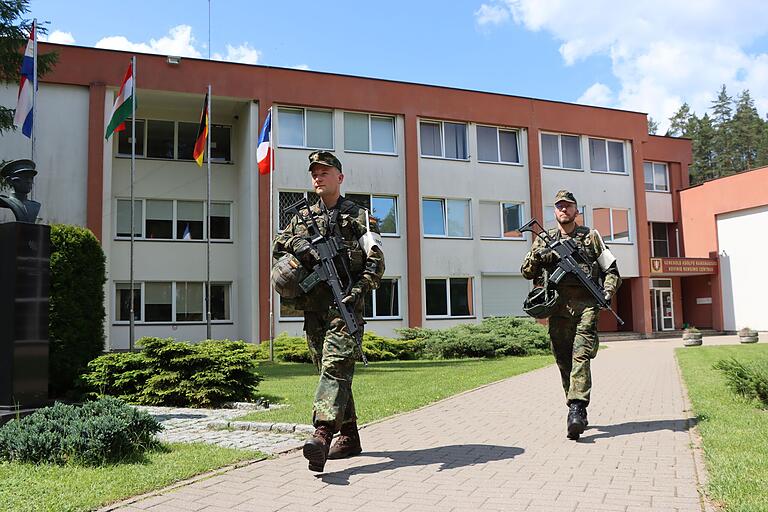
(333, 350)
(574, 342)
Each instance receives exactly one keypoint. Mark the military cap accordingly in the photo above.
(18, 169)
(565, 195)
(324, 158)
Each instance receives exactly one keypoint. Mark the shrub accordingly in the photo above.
(493, 337)
(377, 348)
(175, 373)
(691, 329)
(750, 381)
(98, 432)
(76, 310)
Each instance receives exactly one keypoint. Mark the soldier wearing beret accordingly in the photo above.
(331, 346)
(20, 174)
(573, 323)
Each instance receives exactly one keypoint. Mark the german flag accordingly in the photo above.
(202, 135)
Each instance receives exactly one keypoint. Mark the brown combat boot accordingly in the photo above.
(316, 448)
(347, 444)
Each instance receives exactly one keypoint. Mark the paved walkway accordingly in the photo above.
(500, 447)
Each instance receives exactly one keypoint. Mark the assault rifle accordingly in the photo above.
(570, 259)
(331, 251)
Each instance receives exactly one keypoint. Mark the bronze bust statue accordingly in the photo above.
(20, 173)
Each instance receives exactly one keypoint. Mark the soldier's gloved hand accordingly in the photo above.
(306, 254)
(609, 293)
(355, 294)
(546, 256)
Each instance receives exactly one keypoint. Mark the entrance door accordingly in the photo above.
(661, 307)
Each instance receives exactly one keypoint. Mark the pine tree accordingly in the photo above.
(14, 29)
(653, 126)
(702, 133)
(680, 122)
(722, 116)
(746, 131)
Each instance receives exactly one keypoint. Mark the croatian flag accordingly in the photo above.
(264, 149)
(23, 117)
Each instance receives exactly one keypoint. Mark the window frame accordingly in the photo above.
(444, 201)
(174, 221)
(304, 111)
(442, 140)
(499, 129)
(560, 151)
(653, 163)
(630, 233)
(624, 172)
(370, 134)
(140, 285)
(394, 197)
(500, 205)
(374, 293)
(447, 280)
(143, 155)
(305, 193)
(653, 240)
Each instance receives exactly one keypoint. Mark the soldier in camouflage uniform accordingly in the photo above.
(573, 324)
(332, 348)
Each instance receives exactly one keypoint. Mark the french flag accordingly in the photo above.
(23, 117)
(264, 149)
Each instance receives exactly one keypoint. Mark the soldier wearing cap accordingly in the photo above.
(573, 323)
(332, 348)
(20, 174)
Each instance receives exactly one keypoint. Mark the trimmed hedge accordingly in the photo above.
(294, 349)
(99, 432)
(747, 380)
(76, 310)
(177, 373)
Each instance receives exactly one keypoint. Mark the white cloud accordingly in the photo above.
(662, 53)
(243, 53)
(303, 67)
(58, 36)
(491, 15)
(179, 41)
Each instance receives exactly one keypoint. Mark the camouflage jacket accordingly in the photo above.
(601, 264)
(358, 229)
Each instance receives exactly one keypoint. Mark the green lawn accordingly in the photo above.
(30, 488)
(734, 430)
(385, 388)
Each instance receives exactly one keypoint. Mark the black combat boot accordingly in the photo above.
(348, 442)
(577, 419)
(316, 448)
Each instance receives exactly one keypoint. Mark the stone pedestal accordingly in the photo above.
(25, 251)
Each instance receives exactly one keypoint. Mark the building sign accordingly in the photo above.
(683, 266)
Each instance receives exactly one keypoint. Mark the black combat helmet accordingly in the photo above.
(287, 273)
(541, 302)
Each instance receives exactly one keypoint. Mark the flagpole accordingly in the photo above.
(208, 223)
(34, 94)
(131, 327)
(271, 224)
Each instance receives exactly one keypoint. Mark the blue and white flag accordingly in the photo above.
(23, 117)
(187, 233)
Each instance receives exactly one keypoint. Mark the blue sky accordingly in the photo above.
(593, 51)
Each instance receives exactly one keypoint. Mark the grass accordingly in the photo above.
(734, 430)
(32, 487)
(385, 388)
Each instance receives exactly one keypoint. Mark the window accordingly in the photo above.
(606, 156)
(562, 151)
(288, 312)
(550, 221)
(286, 199)
(187, 136)
(612, 223)
(656, 177)
(503, 295)
(124, 138)
(659, 240)
(123, 302)
(384, 302)
(500, 220)
(221, 221)
(305, 128)
(124, 218)
(220, 143)
(160, 137)
(497, 145)
(189, 220)
(447, 217)
(443, 139)
(172, 302)
(383, 208)
(159, 223)
(369, 133)
(451, 297)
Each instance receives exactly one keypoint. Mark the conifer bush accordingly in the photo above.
(747, 380)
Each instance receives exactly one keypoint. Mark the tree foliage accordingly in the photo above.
(729, 138)
(14, 32)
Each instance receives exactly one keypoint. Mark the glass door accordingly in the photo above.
(661, 309)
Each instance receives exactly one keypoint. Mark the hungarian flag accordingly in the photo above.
(123, 106)
(23, 117)
(202, 134)
(264, 149)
